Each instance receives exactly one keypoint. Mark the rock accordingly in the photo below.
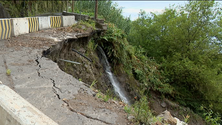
(130, 118)
(180, 122)
(163, 104)
(168, 118)
(0, 82)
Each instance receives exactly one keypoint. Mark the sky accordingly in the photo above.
(133, 7)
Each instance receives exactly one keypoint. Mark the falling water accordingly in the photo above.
(118, 89)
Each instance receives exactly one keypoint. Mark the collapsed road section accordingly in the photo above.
(41, 82)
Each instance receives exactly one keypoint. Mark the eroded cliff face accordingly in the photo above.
(69, 55)
(86, 71)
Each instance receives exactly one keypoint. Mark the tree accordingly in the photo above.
(186, 40)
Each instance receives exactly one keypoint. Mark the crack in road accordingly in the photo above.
(83, 114)
(56, 90)
(38, 64)
(54, 87)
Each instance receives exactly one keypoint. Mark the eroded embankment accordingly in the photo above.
(41, 82)
(80, 58)
(86, 69)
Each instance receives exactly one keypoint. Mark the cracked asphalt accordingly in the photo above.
(54, 92)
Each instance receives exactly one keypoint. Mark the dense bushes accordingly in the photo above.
(132, 61)
(186, 42)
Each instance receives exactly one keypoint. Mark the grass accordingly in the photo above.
(93, 83)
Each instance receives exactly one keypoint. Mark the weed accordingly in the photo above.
(186, 119)
(127, 109)
(93, 83)
(99, 95)
(106, 98)
(142, 112)
(8, 72)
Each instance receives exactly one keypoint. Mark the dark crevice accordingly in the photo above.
(38, 64)
(54, 87)
(39, 74)
(37, 60)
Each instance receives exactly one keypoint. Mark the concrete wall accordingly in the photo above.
(14, 110)
(5, 28)
(44, 22)
(19, 26)
(55, 21)
(78, 17)
(33, 24)
(68, 20)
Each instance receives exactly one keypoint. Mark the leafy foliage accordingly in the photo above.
(142, 111)
(32, 8)
(107, 10)
(186, 42)
(211, 117)
(126, 58)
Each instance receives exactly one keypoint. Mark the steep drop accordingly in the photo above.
(116, 85)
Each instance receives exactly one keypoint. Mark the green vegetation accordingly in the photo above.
(8, 72)
(210, 117)
(186, 43)
(106, 10)
(126, 58)
(24, 8)
(105, 97)
(85, 24)
(176, 54)
(93, 83)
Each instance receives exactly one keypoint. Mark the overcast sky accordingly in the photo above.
(133, 7)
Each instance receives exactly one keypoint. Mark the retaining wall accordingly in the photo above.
(14, 110)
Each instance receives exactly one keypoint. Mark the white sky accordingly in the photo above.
(133, 7)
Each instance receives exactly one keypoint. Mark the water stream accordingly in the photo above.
(119, 90)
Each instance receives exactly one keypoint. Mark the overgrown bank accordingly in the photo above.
(186, 43)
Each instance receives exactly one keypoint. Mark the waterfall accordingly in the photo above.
(116, 85)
